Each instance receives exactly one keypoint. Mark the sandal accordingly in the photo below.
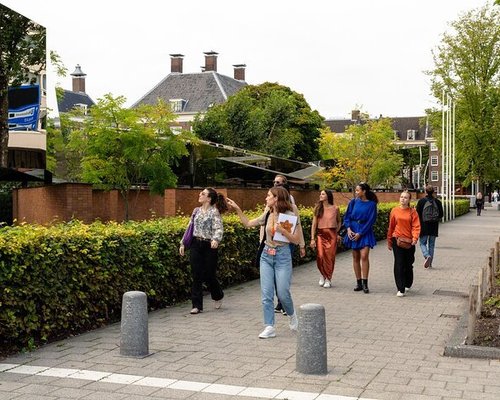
(217, 304)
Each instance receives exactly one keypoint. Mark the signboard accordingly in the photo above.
(24, 107)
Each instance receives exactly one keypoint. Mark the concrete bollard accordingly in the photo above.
(134, 325)
(311, 355)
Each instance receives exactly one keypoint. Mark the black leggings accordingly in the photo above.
(204, 269)
(403, 266)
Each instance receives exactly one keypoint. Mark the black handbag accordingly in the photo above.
(342, 232)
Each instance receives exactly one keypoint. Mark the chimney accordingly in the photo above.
(355, 115)
(211, 61)
(239, 71)
(176, 63)
(78, 79)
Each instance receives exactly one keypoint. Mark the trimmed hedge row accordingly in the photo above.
(68, 278)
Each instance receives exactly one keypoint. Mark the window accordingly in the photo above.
(177, 105)
(411, 134)
(434, 176)
(176, 130)
(434, 161)
(434, 146)
(82, 107)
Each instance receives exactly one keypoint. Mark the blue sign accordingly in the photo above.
(24, 108)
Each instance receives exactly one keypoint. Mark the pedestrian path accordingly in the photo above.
(379, 346)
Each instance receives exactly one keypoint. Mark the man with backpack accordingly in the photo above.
(430, 212)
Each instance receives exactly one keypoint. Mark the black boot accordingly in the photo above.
(364, 284)
(358, 287)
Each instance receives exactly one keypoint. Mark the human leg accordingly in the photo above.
(432, 244)
(196, 258)
(365, 268)
(424, 245)
(267, 287)
(408, 267)
(356, 266)
(320, 254)
(283, 275)
(211, 274)
(398, 253)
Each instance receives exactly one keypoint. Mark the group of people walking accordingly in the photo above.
(407, 226)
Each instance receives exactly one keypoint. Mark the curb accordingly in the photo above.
(457, 347)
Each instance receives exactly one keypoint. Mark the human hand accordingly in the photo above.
(214, 244)
(181, 250)
(302, 252)
(232, 204)
(313, 244)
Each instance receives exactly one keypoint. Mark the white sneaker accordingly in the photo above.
(268, 332)
(294, 322)
(407, 289)
(327, 284)
(399, 294)
(321, 281)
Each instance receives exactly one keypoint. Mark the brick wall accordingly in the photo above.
(48, 204)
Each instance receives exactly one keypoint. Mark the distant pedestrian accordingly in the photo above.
(494, 196)
(326, 221)
(402, 236)
(430, 212)
(479, 203)
(359, 219)
(207, 234)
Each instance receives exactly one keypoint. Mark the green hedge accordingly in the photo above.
(61, 280)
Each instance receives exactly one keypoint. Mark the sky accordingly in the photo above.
(340, 54)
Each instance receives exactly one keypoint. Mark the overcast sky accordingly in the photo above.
(340, 54)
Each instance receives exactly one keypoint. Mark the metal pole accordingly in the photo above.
(442, 152)
(453, 161)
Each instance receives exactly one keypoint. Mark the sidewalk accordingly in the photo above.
(379, 346)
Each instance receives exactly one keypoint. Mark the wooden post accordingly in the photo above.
(473, 295)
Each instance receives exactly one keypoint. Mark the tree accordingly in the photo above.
(267, 118)
(467, 67)
(124, 148)
(364, 153)
(22, 51)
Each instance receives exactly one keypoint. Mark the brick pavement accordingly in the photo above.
(379, 346)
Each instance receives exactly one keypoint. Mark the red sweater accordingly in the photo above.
(403, 222)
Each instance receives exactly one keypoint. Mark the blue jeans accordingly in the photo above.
(427, 245)
(276, 270)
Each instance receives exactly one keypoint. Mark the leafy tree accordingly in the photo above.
(267, 118)
(123, 148)
(467, 67)
(22, 50)
(364, 153)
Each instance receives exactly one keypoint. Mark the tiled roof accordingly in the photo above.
(70, 99)
(401, 125)
(200, 90)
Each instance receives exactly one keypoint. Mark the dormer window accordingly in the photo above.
(177, 105)
(411, 134)
(82, 107)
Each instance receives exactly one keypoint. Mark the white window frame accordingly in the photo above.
(411, 134)
(177, 105)
(434, 176)
(434, 161)
(434, 146)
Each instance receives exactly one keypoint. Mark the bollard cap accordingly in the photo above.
(311, 306)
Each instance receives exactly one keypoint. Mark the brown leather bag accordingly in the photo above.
(403, 242)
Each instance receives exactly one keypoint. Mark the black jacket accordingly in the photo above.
(429, 228)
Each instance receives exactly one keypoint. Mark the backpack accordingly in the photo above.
(430, 212)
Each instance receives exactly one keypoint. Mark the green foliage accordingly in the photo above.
(365, 153)
(61, 280)
(123, 147)
(268, 118)
(467, 67)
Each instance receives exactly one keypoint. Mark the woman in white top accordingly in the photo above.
(276, 258)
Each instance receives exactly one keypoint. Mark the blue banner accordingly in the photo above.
(24, 108)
